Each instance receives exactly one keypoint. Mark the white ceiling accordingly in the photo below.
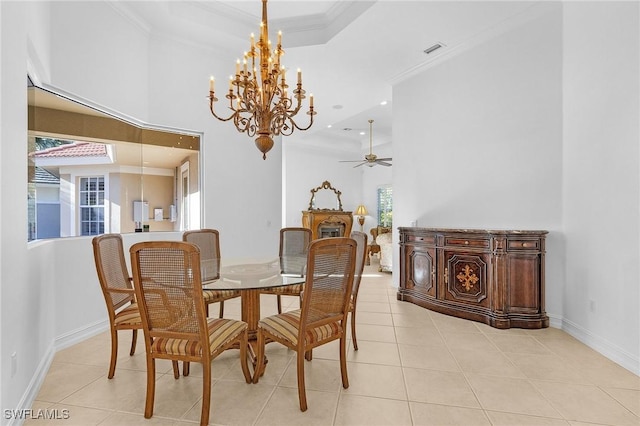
(351, 52)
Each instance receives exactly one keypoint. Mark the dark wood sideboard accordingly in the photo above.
(494, 277)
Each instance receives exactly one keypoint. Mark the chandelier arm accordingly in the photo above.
(245, 124)
(284, 117)
(211, 102)
(311, 113)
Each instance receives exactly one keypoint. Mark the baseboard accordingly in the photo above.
(59, 343)
(80, 334)
(602, 346)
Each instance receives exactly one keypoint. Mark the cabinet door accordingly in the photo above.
(524, 283)
(465, 277)
(420, 269)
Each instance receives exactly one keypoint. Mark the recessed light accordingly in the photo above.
(329, 126)
(383, 103)
(337, 107)
(362, 133)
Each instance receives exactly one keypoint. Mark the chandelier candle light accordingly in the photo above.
(258, 97)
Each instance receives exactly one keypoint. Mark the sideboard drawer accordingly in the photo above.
(467, 242)
(523, 244)
(426, 239)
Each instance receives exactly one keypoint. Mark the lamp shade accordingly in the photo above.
(361, 210)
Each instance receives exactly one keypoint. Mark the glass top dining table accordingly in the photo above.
(249, 277)
(247, 274)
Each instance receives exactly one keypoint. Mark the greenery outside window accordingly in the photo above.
(385, 206)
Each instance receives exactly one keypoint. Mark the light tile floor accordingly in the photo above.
(413, 367)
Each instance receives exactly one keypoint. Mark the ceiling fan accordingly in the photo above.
(370, 159)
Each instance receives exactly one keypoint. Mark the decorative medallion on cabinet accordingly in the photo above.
(495, 277)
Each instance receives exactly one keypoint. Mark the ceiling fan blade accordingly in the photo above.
(361, 164)
(383, 163)
(348, 161)
(385, 159)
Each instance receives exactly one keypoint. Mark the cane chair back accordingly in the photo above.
(117, 289)
(361, 255)
(294, 246)
(168, 285)
(293, 249)
(208, 241)
(322, 317)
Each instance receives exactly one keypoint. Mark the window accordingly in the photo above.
(91, 205)
(385, 206)
(79, 156)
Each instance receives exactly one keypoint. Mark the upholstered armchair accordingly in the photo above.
(384, 240)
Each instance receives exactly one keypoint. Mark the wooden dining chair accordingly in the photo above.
(361, 256)
(117, 289)
(323, 315)
(293, 249)
(208, 241)
(168, 285)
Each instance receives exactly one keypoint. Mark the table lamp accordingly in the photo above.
(361, 212)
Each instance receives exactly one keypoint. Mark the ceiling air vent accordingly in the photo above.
(433, 48)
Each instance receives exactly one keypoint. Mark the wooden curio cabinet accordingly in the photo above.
(496, 277)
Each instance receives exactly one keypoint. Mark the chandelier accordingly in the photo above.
(258, 97)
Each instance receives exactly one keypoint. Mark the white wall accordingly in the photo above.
(24, 311)
(601, 201)
(100, 56)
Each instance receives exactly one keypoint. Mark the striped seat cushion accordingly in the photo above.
(286, 326)
(128, 316)
(221, 332)
(212, 296)
(293, 289)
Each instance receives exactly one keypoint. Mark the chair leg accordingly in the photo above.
(185, 368)
(302, 394)
(176, 370)
(308, 355)
(206, 393)
(114, 352)
(259, 356)
(279, 304)
(151, 387)
(343, 361)
(353, 329)
(134, 340)
(244, 343)
(221, 309)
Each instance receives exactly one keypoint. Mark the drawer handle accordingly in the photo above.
(466, 242)
(525, 245)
